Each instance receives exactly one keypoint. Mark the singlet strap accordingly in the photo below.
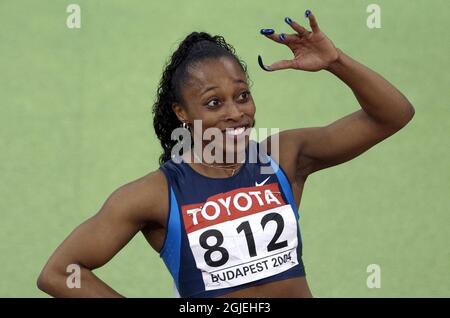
(284, 185)
(170, 252)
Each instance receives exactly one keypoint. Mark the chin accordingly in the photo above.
(235, 151)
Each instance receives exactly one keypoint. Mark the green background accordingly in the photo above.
(75, 124)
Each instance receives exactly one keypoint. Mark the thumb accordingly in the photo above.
(280, 65)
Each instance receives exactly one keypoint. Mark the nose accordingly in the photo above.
(235, 112)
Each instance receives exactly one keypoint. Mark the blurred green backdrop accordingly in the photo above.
(75, 124)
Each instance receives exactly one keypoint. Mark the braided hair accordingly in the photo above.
(194, 48)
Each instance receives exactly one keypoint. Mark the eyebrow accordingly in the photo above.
(213, 87)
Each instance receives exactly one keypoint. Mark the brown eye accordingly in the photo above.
(244, 95)
(213, 103)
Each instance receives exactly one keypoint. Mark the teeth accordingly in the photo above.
(235, 132)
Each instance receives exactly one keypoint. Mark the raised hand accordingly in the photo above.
(313, 50)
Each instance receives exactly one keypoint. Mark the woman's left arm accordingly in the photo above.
(384, 109)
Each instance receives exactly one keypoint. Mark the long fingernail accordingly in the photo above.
(261, 64)
(307, 13)
(288, 20)
(266, 31)
(282, 37)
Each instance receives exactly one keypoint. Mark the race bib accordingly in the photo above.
(241, 236)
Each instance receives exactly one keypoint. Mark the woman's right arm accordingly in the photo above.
(93, 243)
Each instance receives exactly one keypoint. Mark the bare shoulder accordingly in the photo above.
(143, 201)
(286, 149)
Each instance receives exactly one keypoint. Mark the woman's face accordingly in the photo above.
(217, 93)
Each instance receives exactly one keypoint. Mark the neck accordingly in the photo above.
(214, 168)
(236, 161)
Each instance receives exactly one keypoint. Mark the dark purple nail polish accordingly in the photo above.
(288, 20)
(282, 37)
(261, 64)
(307, 13)
(267, 31)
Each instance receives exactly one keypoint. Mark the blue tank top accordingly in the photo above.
(227, 234)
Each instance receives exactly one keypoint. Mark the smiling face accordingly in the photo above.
(217, 93)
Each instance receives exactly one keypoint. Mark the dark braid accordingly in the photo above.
(195, 47)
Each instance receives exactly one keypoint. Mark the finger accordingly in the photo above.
(297, 27)
(312, 21)
(269, 33)
(261, 64)
(282, 38)
(281, 65)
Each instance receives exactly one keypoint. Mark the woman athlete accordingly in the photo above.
(222, 227)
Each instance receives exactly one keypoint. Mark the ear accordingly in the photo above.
(180, 112)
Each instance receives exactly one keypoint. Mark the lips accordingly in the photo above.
(236, 131)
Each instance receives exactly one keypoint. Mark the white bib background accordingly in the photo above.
(241, 267)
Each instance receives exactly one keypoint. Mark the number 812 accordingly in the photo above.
(245, 227)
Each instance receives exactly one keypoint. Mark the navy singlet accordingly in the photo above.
(226, 234)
